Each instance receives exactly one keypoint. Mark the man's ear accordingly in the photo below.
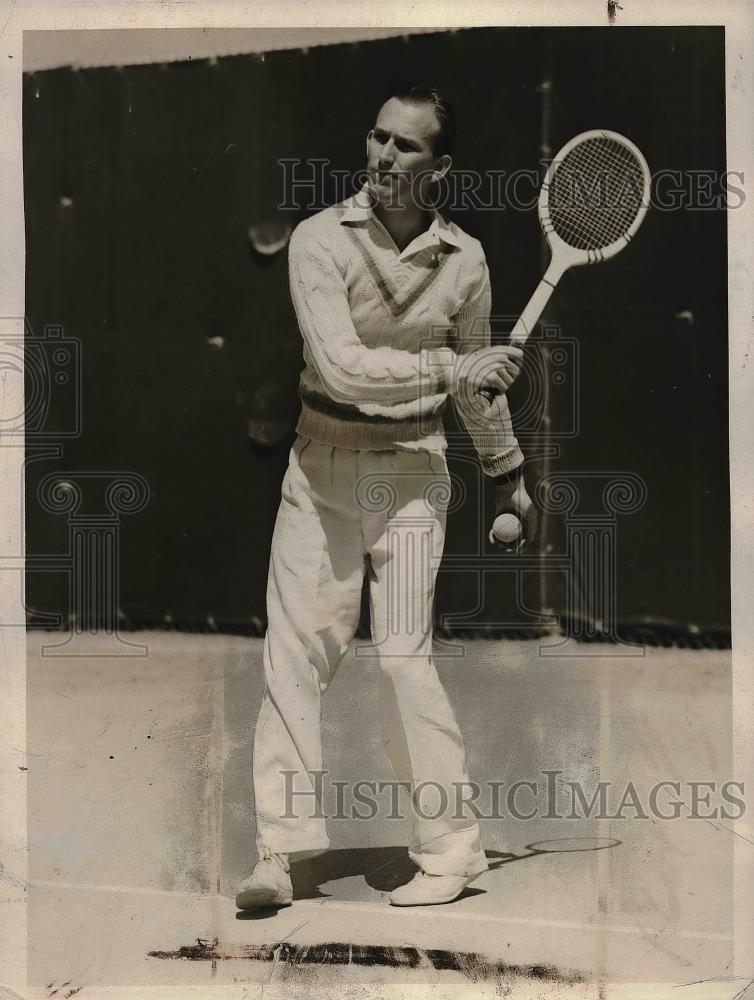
(444, 163)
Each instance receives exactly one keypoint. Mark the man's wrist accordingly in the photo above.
(509, 478)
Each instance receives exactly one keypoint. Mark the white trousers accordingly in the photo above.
(343, 514)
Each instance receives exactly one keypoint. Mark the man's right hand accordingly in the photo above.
(493, 369)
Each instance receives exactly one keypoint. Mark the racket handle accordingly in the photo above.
(536, 304)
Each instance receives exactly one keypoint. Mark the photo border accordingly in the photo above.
(738, 18)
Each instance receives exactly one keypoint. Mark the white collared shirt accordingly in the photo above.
(359, 208)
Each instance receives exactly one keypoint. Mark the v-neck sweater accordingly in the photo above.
(383, 330)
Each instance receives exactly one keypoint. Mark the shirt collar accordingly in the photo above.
(358, 208)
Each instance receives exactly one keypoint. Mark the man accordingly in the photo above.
(393, 305)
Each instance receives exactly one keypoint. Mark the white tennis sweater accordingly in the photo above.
(382, 332)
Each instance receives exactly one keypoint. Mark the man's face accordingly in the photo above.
(400, 149)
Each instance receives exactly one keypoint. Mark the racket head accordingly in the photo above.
(582, 234)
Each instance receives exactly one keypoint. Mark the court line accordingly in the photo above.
(339, 904)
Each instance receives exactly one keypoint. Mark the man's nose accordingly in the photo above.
(388, 151)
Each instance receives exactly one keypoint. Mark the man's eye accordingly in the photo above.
(404, 147)
(381, 137)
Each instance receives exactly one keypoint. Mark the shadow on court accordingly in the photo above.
(385, 868)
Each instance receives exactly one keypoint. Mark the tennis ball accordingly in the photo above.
(506, 529)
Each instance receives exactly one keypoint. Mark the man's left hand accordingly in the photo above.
(511, 498)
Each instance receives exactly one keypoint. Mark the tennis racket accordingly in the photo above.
(593, 199)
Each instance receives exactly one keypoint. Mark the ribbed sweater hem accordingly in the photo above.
(358, 435)
(507, 461)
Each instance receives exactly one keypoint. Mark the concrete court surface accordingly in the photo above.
(141, 824)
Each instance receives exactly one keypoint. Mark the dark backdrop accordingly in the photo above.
(140, 185)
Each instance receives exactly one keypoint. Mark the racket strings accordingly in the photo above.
(596, 193)
(589, 225)
(589, 207)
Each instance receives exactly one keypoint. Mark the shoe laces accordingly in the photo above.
(266, 854)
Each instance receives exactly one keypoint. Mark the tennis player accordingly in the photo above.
(393, 304)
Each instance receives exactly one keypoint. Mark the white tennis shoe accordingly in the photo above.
(427, 890)
(268, 885)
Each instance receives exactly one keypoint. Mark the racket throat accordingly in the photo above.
(555, 271)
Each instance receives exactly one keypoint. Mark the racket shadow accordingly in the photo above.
(563, 845)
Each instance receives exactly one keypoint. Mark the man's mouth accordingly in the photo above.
(388, 176)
